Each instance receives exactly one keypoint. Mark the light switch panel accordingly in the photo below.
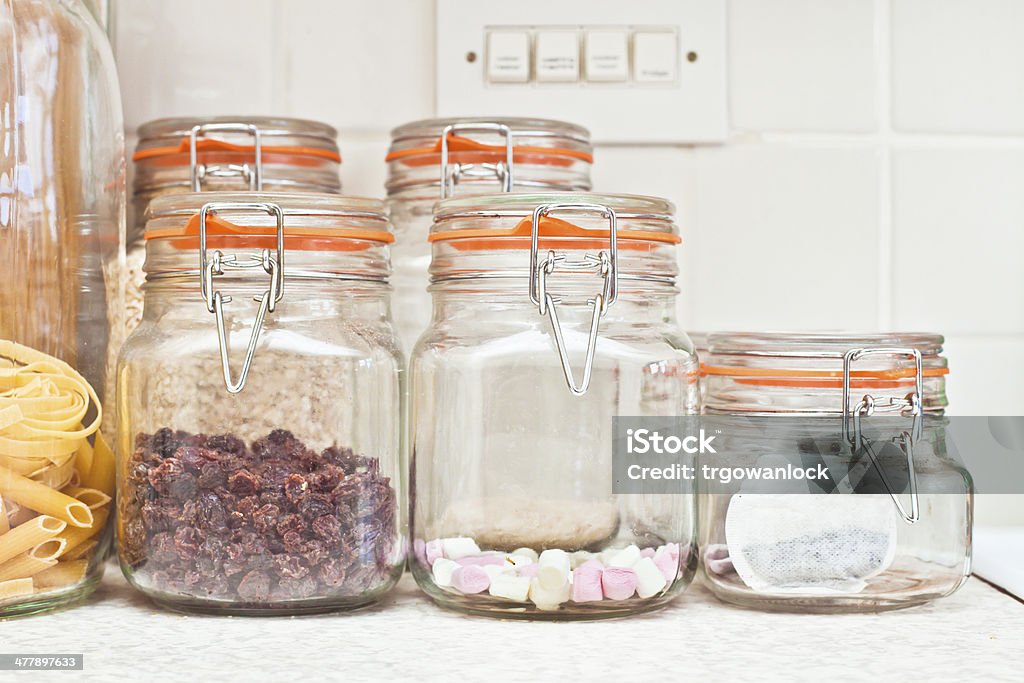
(641, 72)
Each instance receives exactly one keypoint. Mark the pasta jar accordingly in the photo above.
(553, 313)
(61, 217)
(889, 523)
(259, 407)
(439, 158)
(215, 154)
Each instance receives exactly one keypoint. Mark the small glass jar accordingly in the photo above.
(260, 406)
(532, 350)
(62, 202)
(439, 158)
(214, 154)
(889, 527)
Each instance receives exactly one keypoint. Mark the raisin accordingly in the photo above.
(254, 586)
(212, 475)
(327, 527)
(243, 483)
(265, 518)
(186, 542)
(289, 523)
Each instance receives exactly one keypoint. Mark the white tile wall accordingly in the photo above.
(878, 151)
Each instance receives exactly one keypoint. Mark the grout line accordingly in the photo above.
(883, 112)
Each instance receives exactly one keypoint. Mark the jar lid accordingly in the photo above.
(482, 139)
(308, 222)
(170, 139)
(647, 219)
(819, 359)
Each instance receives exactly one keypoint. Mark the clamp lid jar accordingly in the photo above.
(889, 525)
(441, 158)
(553, 313)
(260, 407)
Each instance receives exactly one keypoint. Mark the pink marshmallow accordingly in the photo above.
(672, 549)
(433, 550)
(528, 570)
(647, 552)
(482, 560)
(669, 568)
(586, 582)
(470, 579)
(618, 583)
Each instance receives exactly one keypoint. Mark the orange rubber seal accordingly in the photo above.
(207, 145)
(223, 234)
(820, 379)
(464, 150)
(549, 231)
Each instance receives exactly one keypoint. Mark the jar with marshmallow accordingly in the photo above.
(552, 313)
(888, 525)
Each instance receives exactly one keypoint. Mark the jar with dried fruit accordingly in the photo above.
(260, 405)
(553, 313)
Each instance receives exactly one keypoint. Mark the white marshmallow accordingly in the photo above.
(548, 599)
(553, 571)
(520, 560)
(495, 570)
(625, 558)
(442, 570)
(580, 557)
(454, 548)
(511, 587)
(605, 556)
(527, 552)
(649, 579)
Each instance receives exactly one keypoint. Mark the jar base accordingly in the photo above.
(216, 609)
(54, 601)
(533, 614)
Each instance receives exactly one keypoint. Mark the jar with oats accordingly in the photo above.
(260, 405)
(214, 154)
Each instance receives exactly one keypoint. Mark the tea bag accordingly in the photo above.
(810, 543)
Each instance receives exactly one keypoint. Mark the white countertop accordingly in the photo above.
(978, 632)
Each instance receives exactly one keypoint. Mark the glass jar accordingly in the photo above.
(215, 154)
(260, 406)
(439, 158)
(868, 409)
(61, 222)
(532, 350)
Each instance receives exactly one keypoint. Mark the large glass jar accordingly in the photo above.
(61, 221)
(888, 526)
(215, 154)
(260, 405)
(439, 158)
(531, 352)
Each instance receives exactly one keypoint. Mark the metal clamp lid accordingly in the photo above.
(605, 263)
(209, 267)
(910, 406)
(452, 173)
(200, 171)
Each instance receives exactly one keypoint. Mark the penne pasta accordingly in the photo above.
(28, 535)
(77, 536)
(94, 498)
(49, 550)
(83, 459)
(23, 566)
(16, 588)
(60, 575)
(42, 499)
(82, 550)
(5, 523)
(101, 476)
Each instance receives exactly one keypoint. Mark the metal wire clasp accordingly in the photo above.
(910, 406)
(200, 171)
(215, 265)
(452, 173)
(605, 263)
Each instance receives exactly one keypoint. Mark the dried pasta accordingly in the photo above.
(56, 473)
(28, 535)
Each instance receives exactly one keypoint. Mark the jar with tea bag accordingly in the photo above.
(854, 500)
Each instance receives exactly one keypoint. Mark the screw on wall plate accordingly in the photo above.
(471, 57)
(691, 56)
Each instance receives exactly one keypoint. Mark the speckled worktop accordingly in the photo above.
(978, 633)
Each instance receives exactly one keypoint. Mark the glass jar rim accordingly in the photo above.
(169, 137)
(507, 204)
(520, 126)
